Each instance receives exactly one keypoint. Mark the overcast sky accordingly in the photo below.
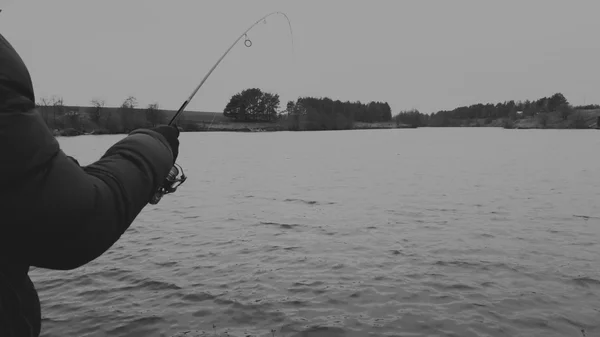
(428, 55)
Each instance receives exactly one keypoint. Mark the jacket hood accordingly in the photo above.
(26, 143)
(15, 80)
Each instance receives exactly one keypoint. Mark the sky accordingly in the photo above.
(424, 54)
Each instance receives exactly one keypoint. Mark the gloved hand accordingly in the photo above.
(171, 133)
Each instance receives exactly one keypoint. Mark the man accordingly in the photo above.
(55, 214)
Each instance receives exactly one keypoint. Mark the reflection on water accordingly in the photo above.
(425, 232)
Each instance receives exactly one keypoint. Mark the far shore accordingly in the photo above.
(235, 127)
(68, 121)
(552, 123)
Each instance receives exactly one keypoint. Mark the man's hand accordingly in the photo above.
(171, 133)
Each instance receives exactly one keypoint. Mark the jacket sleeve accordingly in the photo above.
(53, 212)
(85, 210)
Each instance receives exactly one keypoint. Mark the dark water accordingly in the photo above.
(427, 232)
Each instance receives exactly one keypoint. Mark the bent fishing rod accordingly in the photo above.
(176, 176)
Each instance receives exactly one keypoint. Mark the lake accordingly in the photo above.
(405, 232)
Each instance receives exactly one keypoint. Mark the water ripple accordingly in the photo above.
(449, 239)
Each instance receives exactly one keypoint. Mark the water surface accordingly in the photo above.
(424, 232)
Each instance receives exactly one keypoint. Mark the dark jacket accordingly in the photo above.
(53, 213)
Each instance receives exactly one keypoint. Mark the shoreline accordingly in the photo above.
(214, 122)
(318, 114)
(231, 127)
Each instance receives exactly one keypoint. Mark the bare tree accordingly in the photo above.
(153, 114)
(43, 104)
(58, 107)
(96, 112)
(130, 102)
(127, 113)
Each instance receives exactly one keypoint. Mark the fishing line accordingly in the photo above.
(176, 176)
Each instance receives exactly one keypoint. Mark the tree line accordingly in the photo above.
(306, 113)
(312, 113)
(250, 105)
(508, 110)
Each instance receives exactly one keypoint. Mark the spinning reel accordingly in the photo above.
(174, 179)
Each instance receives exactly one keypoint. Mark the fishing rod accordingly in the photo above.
(176, 176)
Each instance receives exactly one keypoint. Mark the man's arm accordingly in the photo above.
(54, 213)
(81, 212)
